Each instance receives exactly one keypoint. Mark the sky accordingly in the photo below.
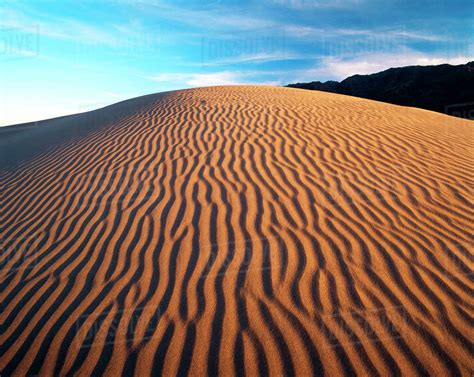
(65, 57)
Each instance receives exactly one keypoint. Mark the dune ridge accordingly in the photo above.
(242, 230)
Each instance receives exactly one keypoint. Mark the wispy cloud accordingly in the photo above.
(306, 5)
(225, 18)
(217, 22)
(218, 17)
(337, 68)
(61, 28)
(197, 79)
(409, 35)
(259, 57)
(331, 33)
(58, 28)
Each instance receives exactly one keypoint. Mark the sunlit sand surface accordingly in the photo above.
(238, 231)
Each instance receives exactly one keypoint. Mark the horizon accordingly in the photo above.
(62, 59)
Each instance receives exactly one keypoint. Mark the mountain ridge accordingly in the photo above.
(444, 88)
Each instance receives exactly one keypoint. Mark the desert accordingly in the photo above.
(238, 230)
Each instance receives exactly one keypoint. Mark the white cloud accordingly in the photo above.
(316, 4)
(53, 27)
(225, 19)
(173, 81)
(73, 30)
(209, 79)
(330, 33)
(337, 68)
(198, 79)
(417, 36)
(259, 57)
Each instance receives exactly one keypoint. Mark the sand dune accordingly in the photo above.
(238, 230)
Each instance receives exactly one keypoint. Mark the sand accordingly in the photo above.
(238, 230)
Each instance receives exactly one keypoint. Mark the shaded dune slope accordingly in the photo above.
(240, 230)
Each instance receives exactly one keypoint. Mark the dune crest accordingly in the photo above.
(234, 230)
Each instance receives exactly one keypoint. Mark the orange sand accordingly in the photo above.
(238, 230)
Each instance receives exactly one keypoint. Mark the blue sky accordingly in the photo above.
(64, 57)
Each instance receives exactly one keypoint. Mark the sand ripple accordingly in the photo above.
(240, 230)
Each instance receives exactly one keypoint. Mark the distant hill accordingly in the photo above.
(443, 88)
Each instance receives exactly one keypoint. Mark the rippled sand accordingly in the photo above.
(238, 230)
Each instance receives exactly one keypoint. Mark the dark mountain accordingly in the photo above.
(443, 88)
